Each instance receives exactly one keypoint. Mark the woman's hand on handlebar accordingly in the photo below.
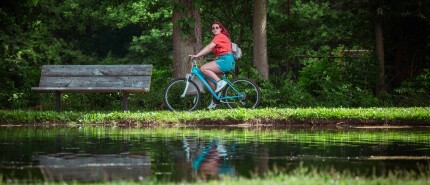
(193, 57)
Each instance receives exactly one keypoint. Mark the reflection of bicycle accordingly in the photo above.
(213, 160)
(183, 94)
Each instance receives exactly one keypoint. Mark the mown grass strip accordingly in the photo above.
(414, 114)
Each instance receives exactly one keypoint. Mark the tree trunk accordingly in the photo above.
(260, 41)
(184, 43)
(379, 42)
(197, 32)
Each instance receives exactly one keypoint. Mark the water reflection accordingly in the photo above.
(90, 168)
(197, 158)
(211, 160)
(175, 155)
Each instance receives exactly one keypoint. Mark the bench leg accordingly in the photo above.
(125, 101)
(57, 101)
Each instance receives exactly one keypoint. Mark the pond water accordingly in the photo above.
(88, 154)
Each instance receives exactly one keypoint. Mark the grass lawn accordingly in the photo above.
(413, 116)
(299, 177)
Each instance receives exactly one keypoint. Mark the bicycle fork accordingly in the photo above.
(187, 83)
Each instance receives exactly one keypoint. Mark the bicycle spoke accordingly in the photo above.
(181, 96)
(250, 91)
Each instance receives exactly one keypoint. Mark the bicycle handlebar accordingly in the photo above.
(194, 62)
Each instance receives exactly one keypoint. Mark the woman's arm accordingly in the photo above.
(207, 49)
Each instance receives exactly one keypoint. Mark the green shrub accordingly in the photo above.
(414, 92)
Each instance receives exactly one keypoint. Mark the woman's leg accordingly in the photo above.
(211, 70)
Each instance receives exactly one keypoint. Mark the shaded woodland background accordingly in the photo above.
(319, 53)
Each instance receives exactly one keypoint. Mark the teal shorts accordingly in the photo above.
(225, 62)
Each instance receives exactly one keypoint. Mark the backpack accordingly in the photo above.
(237, 52)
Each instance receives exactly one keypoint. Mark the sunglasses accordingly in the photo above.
(215, 28)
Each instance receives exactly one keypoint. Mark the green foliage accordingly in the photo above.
(185, 20)
(135, 12)
(34, 33)
(318, 29)
(147, 48)
(25, 45)
(332, 85)
(415, 90)
(152, 100)
(296, 96)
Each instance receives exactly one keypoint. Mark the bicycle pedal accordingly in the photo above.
(216, 101)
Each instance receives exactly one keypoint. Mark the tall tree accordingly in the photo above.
(260, 40)
(379, 45)
(186, 34)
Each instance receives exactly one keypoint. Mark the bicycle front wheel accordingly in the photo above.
(178, 98)
(251, 94)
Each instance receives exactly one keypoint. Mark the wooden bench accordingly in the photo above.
(94, 78)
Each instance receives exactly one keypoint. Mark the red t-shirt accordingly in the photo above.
(223, 44)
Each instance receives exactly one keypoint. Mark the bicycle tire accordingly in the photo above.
(174, 90)
(248, 88)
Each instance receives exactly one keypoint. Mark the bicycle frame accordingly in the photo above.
(202, 77)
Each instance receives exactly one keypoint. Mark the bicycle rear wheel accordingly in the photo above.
(251, 94)
(177, 100)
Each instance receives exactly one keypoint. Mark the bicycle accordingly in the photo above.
(183, 94)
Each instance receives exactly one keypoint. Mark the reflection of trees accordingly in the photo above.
(263, 160)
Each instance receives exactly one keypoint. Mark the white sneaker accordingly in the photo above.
(220, 85)
(212, 105)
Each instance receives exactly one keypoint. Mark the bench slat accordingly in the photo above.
(96, 70)
(95, 81)
(87, 89)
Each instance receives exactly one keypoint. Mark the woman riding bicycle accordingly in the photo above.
(224, 62)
